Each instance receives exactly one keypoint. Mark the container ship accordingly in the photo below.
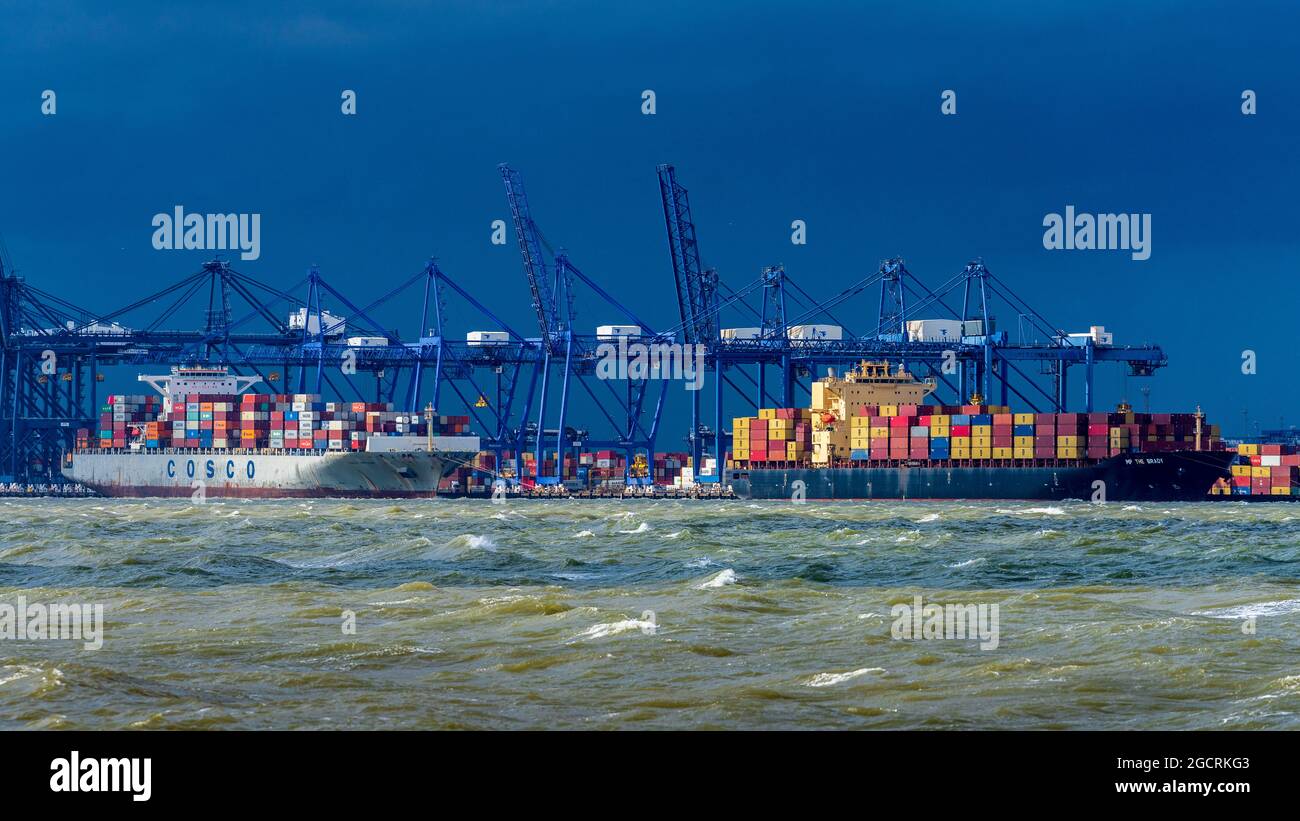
(869, 435)
(204, 433)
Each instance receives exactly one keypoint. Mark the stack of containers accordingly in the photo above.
(124, 418)
(1022, 436)
(878, 433)
(775, 435)
(860, 433)
(1071, 435)
(1264, 470)
(971, 432)
(780, 433)
(900, 429)
(740, 438)
(981, 435)
(1044, 436)
(940, 435)
(961, 435)
(254, 421)
(280, 421)
(1003, 436)
(668, 466)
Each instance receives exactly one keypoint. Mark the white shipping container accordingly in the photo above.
(742, 333)
(614, 332)
(334, 325)
(477, 338)
(934, 330)
(812, 332)
(367, 341)
(1270, 461)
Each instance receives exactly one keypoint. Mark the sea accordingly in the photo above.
(668, 614)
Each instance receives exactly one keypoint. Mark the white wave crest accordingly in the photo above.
(583, 534)
(641, 528)
(613, 628)
(1246, 611)
(464, 543)
(830, 679)
(721, 579)
(1046, 511)
(967, 563)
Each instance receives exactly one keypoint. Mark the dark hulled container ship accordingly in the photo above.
(868, 435)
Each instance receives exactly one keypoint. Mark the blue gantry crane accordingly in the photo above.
(573, 356)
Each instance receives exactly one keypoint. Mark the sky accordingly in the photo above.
(828, 113)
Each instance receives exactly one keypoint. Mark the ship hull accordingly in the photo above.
(1139, 477)
(345, 474)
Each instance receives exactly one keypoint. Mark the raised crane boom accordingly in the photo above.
(697, 288)
(530, 249)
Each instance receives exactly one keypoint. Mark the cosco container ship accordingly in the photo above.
(204, 434)
(868, 435)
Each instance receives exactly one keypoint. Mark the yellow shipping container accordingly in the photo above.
(981, 430)
(961, 453)
(879, 432)
(860, 422)
(1068, 442)
(939, 431)
(1022, 453)
(1259, 473)
(981, 453)
(1024, 419)
(1002, 453)
(1281, 491)
(767, 413)
(888, 410)
(981, 441)
(940, 420)
(1023, 442)
(1241, 470)
(1068, 453)
(960, 442)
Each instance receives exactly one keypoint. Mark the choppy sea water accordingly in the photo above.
(669, 614)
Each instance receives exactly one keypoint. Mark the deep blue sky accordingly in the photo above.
(771, 112)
